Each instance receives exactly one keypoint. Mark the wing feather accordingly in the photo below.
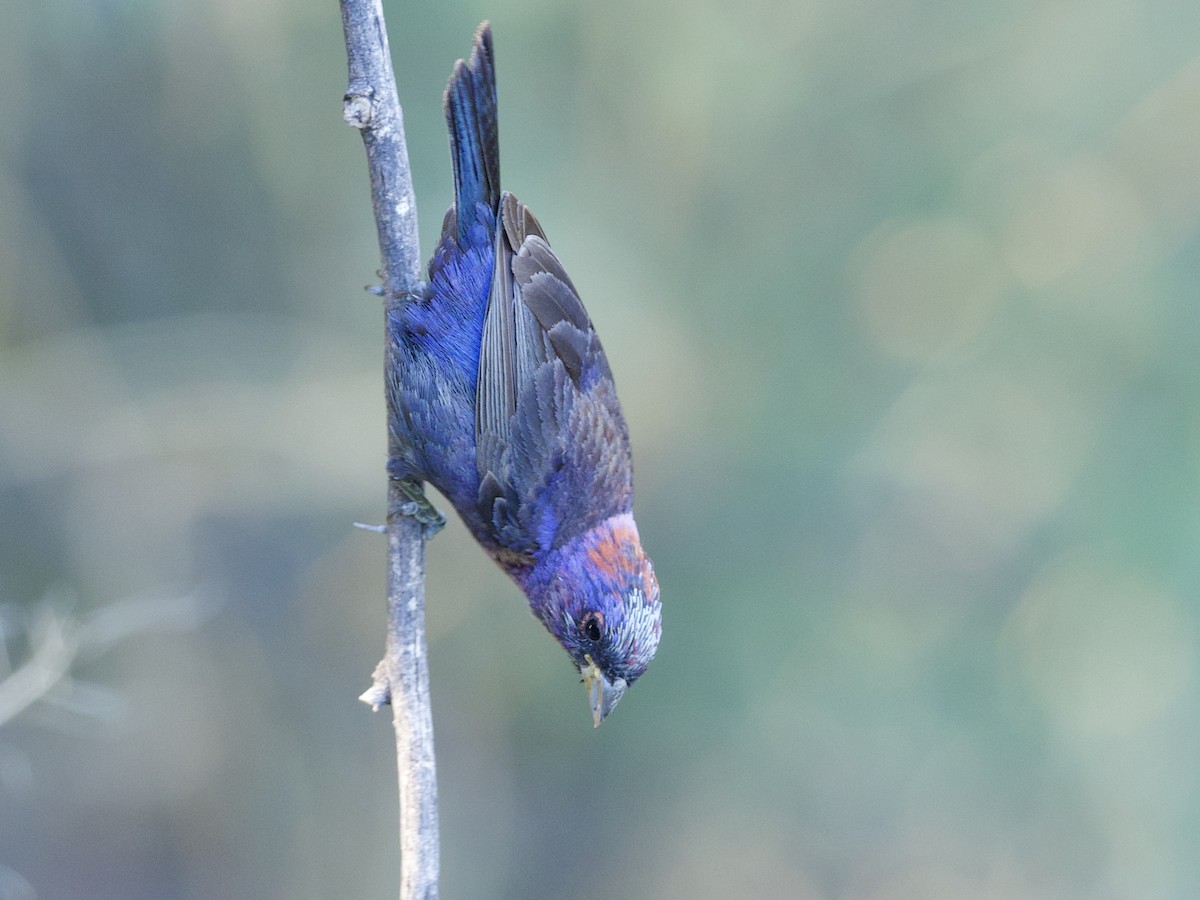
(551, 444)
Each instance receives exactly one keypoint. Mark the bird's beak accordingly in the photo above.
(602, 693)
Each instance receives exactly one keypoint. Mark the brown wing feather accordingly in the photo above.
(544, 394)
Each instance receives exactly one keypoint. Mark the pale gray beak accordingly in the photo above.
(603, 694)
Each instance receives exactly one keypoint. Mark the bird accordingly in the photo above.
(500, 395)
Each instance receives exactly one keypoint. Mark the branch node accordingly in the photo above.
(358, 106)
(380, 692)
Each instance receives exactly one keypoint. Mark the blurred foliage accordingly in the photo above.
(902, 300)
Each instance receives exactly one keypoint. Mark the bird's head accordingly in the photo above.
(598, 596)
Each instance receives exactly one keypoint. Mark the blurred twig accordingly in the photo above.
(402, 678)
(57, 641)
(13, 885)
(54, 641)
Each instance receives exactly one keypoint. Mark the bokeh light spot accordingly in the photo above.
(923, 285)
(1106, 650)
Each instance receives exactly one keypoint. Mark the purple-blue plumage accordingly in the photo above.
(503, 399)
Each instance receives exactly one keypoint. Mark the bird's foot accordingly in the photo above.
(397, 297)
(415, 504)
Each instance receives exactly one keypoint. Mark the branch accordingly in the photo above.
(402, 677)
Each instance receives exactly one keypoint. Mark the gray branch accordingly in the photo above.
(402, 677)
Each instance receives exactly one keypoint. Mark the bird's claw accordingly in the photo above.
(416, 505)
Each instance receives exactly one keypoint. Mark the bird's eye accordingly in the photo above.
(592, 626)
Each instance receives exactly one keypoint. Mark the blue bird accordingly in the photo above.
(500, 395)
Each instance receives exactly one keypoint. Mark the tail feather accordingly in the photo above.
(474, 143)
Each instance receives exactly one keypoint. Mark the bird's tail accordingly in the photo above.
(474, 144)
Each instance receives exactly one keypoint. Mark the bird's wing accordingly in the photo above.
(552, 447)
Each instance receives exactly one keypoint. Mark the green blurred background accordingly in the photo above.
(902, 302)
